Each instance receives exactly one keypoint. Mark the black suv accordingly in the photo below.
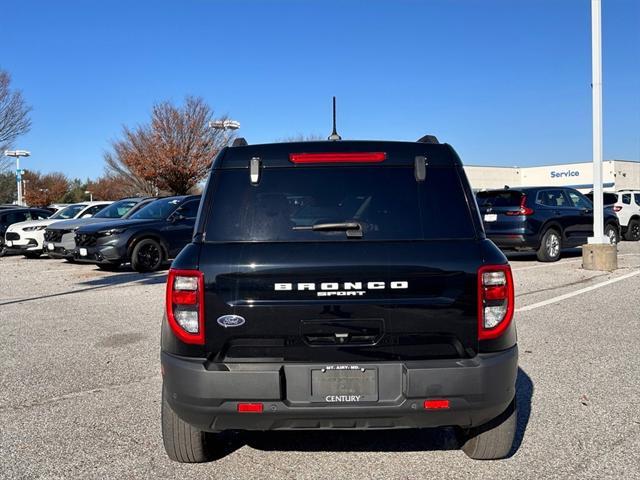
(16, 214)
(338, 285)
(149, 237)
(543, 219)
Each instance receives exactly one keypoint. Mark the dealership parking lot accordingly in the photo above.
(80, 384)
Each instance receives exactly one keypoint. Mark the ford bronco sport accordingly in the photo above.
(338, 285)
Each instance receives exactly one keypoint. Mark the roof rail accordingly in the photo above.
(428, 139)
(239, 142)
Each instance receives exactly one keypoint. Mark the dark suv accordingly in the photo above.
(544, 219)
(338, 285)
(149, 237)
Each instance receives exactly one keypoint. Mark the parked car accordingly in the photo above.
(338, 285)
(542, 219)
(10, 216)
(626, 205)
(59, 237)
(148, 238)
(27, 237)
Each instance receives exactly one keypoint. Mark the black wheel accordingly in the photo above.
(611, 232)
(550, 246)
(493, 440)
(147, 256)
(109, 267)
(32, 255)
(70, 260)
(182, 442)
(633, 231)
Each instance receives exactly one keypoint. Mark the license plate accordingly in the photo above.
(9, 243)
(490, 217)
(344, 384)
(50, 246)
(83, 252)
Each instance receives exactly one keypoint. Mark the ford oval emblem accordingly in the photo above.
(230, 321)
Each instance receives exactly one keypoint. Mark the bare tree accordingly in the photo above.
(172, 153)
(301, 138)
(14, 116)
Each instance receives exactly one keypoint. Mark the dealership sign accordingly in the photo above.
(564, 173)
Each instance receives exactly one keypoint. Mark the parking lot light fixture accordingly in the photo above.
(225, 125)
(17, 154)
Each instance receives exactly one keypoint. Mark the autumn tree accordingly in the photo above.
(170, 154)
(14, 116)
(8, 188)
(44, 189)
(111, 187)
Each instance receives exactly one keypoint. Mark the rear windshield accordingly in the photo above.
(499, 199)
(387, 202)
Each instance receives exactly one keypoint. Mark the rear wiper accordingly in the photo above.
(353, 229)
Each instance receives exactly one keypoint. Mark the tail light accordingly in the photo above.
(617, 208)
(495, 300)
(185, 305)
(523, 210)
(346, 157)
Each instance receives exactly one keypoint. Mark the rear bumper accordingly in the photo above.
(515, 241)
(478, 390)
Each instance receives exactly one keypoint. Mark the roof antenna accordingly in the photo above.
(334, 135)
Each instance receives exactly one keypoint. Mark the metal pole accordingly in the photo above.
(596, 67)
(19, 179)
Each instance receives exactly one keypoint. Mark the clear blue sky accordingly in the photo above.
(506, 82)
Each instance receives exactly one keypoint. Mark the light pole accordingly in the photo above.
(599, 253)
(17, 154)
(224, 125)
(90, 193)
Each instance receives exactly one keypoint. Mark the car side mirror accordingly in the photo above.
(176, 217)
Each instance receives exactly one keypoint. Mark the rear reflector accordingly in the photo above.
(439, 404)
(250, 408)
(346, 157)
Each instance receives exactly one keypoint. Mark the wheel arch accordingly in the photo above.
(144, 236)
(550, 224)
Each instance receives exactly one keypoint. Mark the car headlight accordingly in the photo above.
(31, 229)
(111, 231)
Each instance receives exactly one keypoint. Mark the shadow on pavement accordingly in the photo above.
(409, 440)
(531, 256)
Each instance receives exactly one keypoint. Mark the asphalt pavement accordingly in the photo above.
(80, 385)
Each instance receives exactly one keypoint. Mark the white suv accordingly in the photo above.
(27, 237)
(627, 207)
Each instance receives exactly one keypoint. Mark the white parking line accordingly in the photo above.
(559, 298)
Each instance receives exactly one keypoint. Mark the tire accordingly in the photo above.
(611, 232)
(109, 267)
(32, 255)
(633, 231)
(3, 250)
(182, 442)
(493, 440)
(550, 246)
(147, 256)
(70, 260)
